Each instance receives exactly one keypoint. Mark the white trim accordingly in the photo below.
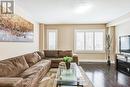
(98, 61)
(89, 30)
(92, 52)
(56, 43)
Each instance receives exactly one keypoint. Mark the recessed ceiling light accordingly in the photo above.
(82, 8)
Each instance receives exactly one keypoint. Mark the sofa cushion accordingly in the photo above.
(10, 81)
(56, 59)
(51, 53)
(13, 66)
(41, 54)
(55, 63)
(65, 53)
(36, 68)
(38, 56)
(32, 58)
(32, 75)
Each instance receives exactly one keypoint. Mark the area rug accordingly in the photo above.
(49, 79)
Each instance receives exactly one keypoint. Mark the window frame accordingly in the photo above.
(89, 30)
(56, 43)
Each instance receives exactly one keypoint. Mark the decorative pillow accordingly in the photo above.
(32, 58)
(13, 66)
(51, 53)
(65, 53)
(41, 54)
(38, 56)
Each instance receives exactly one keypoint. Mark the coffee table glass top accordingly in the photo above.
(70, 76)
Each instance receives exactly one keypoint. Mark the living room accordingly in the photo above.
(94, 33)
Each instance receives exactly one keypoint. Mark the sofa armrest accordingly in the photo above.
(10, 82)
(75, 58)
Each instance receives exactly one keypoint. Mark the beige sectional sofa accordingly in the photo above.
(27, 70)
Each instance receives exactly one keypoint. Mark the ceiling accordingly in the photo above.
(64, 11)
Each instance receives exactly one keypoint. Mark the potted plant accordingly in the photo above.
(109, 39)
(108, 45)
(67, 61)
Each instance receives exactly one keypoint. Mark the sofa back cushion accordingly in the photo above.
(13, 66)
(51, 53)
(38, 56)
(32, 58)
(41, 54)
(65, 53)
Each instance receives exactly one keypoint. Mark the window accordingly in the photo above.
(51, 39)
(90, 40)
(80, 41)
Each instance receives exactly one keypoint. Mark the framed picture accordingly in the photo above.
(15, 29)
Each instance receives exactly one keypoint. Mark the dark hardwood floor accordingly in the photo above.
(102, 75)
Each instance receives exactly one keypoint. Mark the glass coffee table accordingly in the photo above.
(70, 77)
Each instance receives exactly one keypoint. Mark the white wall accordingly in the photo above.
(121, 30)
(11, 49)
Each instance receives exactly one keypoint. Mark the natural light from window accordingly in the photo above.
(52, 39)
(80, 41)
(89, 40)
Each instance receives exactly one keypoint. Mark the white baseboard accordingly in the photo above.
(98, 61)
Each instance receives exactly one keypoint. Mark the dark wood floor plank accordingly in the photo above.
(102, 75)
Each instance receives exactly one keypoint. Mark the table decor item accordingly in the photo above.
(67, 61)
